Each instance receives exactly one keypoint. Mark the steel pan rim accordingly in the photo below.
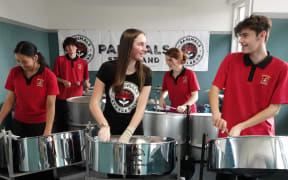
(178, 114)
(168, 140)
(51, 135)
(248, 137)
(201, 114)
(71, 99)
(165, 113)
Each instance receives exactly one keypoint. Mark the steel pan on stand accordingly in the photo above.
(165, 124)
(199, 124)
(142, 156)
(79, 112)
(52, 151)
(249, 155)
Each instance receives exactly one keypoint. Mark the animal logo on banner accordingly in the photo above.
(193, 47)
(86, 48)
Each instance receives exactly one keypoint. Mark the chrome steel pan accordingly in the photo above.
(56, 150)
(165, 124)
(142, 156)
(249, 154)
(79, 111)
(199, 124)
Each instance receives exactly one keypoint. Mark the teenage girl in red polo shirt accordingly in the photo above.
(71, 72)
(179, 83)
(32, 88)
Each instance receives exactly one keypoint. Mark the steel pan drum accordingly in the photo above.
(79, 111)
(199, 124)
(249, 154)
(56, 150)
(141, 156)
(165, 124)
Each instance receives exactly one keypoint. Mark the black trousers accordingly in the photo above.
(27, 130)
(61, 116)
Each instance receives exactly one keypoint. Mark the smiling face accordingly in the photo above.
(173, 63)
(250, 41)
(139, 48)
(26, 62)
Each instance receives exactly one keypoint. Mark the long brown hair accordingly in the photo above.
(124, 52)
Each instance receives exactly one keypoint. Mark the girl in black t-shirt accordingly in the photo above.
(126, 83)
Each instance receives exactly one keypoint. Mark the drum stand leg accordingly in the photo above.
(178, 163)
(202, 161)
(87, 152)
(9, 154)
(55, 173)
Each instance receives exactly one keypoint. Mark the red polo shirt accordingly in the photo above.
(180, 89)
(73, 70)
(250, 89)
(31, 94)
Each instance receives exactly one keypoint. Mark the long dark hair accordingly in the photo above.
(29, 49)
(124, 52)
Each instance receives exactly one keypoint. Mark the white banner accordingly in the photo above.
(97, 47)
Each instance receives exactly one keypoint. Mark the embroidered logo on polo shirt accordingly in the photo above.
(265, 79)
(184, 79)
(40, 82)
(79, 66)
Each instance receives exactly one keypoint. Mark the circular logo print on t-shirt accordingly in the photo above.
(126, 100)
(86, 48)
(193, 47)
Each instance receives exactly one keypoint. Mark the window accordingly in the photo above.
(241, 9)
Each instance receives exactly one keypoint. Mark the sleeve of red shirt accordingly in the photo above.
(9, 82)
(193, 82)
(57, 66)
(164, 84)
(221, 76)
(280, 95)
(52, 86)
(86, 74)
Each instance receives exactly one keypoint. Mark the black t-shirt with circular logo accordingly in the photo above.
(120, 107)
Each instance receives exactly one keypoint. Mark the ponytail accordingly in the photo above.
(41, 60)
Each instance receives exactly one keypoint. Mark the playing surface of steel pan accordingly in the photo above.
(56, 150)
(141, 156)
(199, 124)
(165, 124)
(249, 154)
